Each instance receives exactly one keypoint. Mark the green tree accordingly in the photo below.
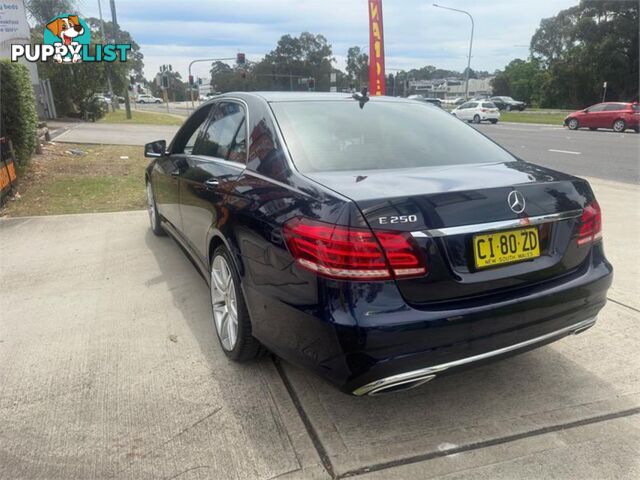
(521, 79)
(41, 11)
(357, 66)
(308, 55)
(74, 85)
(584, 46)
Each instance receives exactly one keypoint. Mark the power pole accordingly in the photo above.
(114, 19)
(114, 100)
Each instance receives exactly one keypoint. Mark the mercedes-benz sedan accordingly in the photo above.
(377, 241)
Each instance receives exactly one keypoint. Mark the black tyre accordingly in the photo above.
(619, 125)
(573, 124)
(476, 119)
(592, 128)
(154, 218)
(157, 101)
(637, 129)
(229, 310)
(494, 121)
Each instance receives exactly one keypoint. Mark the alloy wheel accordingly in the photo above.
(573, 124)
(224, 302)
(618, 126)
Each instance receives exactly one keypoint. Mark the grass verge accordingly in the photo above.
(533, 117)
(59, 182)
(142, 118)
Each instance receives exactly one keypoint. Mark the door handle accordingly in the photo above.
(212, 182)
(175, 173)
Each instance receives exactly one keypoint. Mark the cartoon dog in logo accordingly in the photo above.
(67, 29)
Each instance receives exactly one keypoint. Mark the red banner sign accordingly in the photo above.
(377, 79)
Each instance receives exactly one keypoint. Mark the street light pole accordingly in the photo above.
(466, 81)
(114, 19)
(104, 39)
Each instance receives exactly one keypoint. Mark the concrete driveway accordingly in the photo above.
(110, 369)
(111, 133)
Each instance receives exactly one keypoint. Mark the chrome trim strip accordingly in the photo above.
(375, 386)
(500, 225)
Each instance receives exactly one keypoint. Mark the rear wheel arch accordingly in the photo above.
(216, 239)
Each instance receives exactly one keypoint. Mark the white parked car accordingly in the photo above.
(477, 111)
(146, 98)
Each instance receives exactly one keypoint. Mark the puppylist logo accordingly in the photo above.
(67, 39)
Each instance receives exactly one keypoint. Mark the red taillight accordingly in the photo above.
(590, 224)
(484, 110)
(352, 253)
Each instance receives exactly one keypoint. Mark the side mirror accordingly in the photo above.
(586, 110)
(155, 149)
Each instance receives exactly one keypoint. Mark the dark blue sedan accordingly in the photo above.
(379, 242)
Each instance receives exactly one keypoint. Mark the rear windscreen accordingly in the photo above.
(489, 105)
(331, 136)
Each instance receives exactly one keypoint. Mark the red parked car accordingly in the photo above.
(616, 115)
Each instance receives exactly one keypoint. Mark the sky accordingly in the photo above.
(416, 33)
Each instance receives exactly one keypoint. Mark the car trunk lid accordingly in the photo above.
(444, 207)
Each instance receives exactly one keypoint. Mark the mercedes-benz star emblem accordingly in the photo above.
(516, 201)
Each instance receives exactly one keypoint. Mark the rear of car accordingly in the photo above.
(477, 111)
(442, 251)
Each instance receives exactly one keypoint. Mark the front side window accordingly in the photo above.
(339, 135)
(596, 108)
(190, 131)
(217, 140)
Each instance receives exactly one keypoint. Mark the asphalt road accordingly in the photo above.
(601, 154)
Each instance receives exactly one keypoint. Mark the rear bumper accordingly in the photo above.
(418, 377)
(490, 116)
(362, 337)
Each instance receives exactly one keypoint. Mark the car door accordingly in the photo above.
(612, 111)
(471, 110)
(593, 116)
(169, 168)
(217, 160)
(462, 109)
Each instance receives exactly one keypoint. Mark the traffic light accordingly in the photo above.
(190, 79)
(199, 81)
(165, 81)
(240, 59)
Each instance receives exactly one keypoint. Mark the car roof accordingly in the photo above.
(273, 97)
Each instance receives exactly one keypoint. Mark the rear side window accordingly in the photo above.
(613, 107)
(218, 139)
(339, 135)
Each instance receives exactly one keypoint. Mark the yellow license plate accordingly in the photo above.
(506, 247)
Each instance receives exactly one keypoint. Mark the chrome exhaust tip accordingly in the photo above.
(582, 328)
(400, 386)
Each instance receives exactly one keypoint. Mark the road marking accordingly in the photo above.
(564, 151)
